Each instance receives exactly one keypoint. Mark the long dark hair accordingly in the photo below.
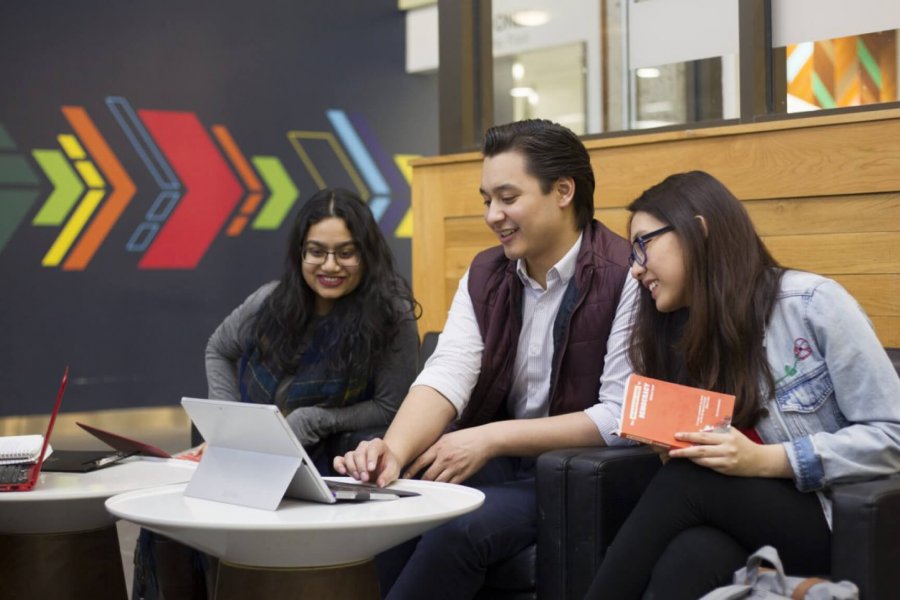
(551, 151)
(362, 323)
(732, 282)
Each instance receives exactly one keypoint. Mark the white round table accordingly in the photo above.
(59, 541)
(280, 550)
(63, 502)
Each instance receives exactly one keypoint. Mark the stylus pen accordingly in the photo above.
(112, 458)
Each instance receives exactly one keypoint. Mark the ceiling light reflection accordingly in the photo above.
(530, 18)
(647, 73)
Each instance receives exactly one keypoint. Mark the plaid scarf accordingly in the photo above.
(314, 382)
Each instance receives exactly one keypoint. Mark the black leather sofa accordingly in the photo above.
(585, 494)
(592, 492)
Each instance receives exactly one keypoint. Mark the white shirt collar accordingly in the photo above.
(561, 272)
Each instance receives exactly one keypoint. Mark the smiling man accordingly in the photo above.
(537, 324)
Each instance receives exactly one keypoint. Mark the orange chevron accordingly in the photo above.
(883, 46)
(251, 203)
(846, 70)
(869, 92)
(123, 188)
(852, 94)
(237, 158)
(236, 226)
(249, 207)
(802, 84)
(889, 69)
(247, 174)
(823, 62)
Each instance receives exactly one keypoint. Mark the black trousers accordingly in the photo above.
(451, 561)
(694, 527)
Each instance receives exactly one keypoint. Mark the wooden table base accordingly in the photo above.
(356, 581)
(64, 566)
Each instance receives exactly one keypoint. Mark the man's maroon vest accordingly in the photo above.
(580, 330)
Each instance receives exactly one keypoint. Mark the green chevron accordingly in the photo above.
(14, 206)
(6, 142)
(14, 203)
(868, 62)
(14, 170)
(821, 93)
(67, 187)
(283, 192)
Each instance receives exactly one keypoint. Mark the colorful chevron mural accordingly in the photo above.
(849, 71)
(206, 186)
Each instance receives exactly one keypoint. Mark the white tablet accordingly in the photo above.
(254, 459)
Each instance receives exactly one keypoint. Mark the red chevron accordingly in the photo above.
(212, 191)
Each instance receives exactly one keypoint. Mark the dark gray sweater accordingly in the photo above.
(393, 374)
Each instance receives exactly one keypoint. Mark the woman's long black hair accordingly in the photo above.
(362, 323)
(732, 282)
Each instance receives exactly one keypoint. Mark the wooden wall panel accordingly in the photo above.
(880, 294)
(823, 191)
(823, 214)
(452, 284)
(838, 253)
(888, 330)
(614, 218)
(842, 158)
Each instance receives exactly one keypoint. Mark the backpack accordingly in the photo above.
(756, 582)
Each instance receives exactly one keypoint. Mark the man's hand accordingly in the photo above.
(733, 453)
(372, 461)
(455, 456)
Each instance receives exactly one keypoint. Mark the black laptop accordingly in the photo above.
(84, 461)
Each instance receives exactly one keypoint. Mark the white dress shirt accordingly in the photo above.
(454, 366)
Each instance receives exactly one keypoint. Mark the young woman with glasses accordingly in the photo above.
(334, 342)
(818, 400)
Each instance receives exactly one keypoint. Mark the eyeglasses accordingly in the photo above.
(345, 256)
(639, 245)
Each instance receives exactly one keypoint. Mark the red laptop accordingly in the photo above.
(22, 477)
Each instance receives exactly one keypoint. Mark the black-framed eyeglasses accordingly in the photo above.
(639, 245)
(346, 256)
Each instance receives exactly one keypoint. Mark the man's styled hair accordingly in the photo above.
(551, 151)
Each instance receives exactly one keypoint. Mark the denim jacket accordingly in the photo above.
(836, 406)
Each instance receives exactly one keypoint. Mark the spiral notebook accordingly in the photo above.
(20, 449)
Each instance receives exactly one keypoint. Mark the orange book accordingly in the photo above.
(653, 411)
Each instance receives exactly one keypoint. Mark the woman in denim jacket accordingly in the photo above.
(818, 400)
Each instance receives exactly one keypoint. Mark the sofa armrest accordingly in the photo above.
(866, 540)
(584, 495)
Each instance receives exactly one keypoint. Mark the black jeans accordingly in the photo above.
(694, 527)
(450, 561)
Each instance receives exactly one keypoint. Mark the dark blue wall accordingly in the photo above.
(136, 337)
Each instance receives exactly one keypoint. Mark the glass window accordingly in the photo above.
(613, 65)
(679, 64)
(602, 66)
(547, 83)
(547, 62)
